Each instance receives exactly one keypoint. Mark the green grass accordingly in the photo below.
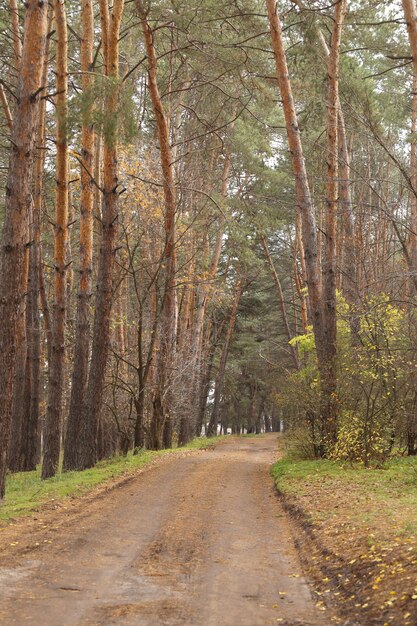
(362, 493)
(289, 473)
(25, 491)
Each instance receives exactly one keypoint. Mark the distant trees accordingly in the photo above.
(219, 384)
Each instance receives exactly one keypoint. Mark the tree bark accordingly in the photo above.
(320, 312)
(410, 14)
(17, 43)
(18, 198)
(82, 333)
(21, 334)
(20, 367)
(30, 419)
(17, 48)
(303, 196)
(349, 256)
(162, 402)
(6, 108)
(328, 369)
(103, 304)
(29, 433)
(52, 436)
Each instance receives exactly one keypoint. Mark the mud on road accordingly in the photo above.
(200, 540)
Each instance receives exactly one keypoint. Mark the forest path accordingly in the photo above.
(201, 540)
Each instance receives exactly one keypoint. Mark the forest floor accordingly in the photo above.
(200, 539)
(357, 530)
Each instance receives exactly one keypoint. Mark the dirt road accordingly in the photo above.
(200, 540)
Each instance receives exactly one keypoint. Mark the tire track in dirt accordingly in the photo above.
(200, 540)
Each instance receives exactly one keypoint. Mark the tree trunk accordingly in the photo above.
(219, 385)
(17, 203)
(281, 301)
(103, 304)
(29, 434)
(162, 402)
(19, 382)
(30, 419)
(303, 197)
(349, 278)
(349, 258)
(206, 367)
(140, 419)
(17, 44)
(199, 367)
(6, 108)
(321, 313)
(52, 437)
(82, 333)
(328, 369)
(410, 14)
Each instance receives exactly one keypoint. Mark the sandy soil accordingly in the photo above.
(200, 540)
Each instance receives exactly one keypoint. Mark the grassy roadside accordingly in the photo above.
(25, 491)
(357, 531)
